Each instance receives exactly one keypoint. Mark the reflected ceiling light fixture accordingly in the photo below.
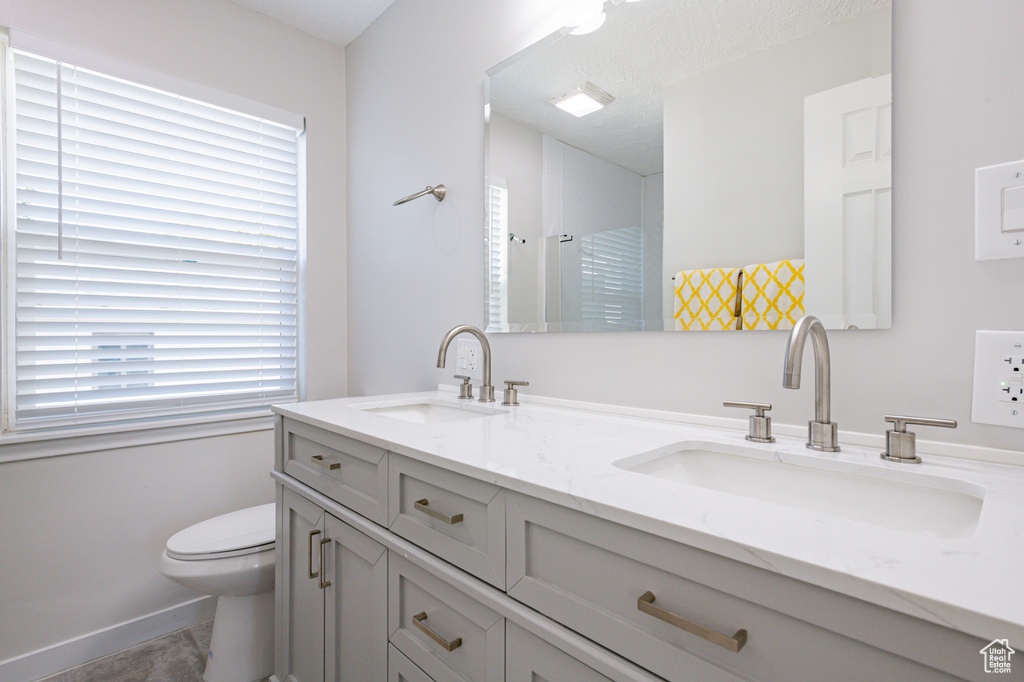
(582, 99)
(588, 19)
(589, 16)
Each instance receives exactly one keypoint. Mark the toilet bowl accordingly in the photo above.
(231, 557)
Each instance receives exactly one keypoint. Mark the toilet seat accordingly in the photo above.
(238, 533)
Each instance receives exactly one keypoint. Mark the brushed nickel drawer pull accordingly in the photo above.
(646, 604)
(422, 505)
(309, 557)
(323, 585)
(418, 619)
(319, 461)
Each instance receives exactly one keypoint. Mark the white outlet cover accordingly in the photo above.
(998, 366)
(462, 348)
(999, 211)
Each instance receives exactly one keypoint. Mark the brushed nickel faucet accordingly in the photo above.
(486, 391)
(822, 432)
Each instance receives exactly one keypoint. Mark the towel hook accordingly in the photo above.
(513, 238)
(438, 193)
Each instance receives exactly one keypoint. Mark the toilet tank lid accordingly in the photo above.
(230, 532)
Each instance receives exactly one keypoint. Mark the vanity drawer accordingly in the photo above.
(529, 658)
(348, 471)
(460, 519)
(401, 669)
(445, 632)
(593, 576)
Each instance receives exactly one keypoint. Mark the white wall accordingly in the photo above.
(516, 155)
(415, 93)
(734, 152)
(584, 194)
(81, 533)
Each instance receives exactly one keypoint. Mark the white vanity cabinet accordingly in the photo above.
(437, 575)
(393, 610)
(331, 597)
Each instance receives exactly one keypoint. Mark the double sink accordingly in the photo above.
(880, 495)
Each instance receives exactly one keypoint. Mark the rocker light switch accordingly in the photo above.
(1013, 209)
(999, 211)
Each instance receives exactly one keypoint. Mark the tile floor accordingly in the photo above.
(177, 657)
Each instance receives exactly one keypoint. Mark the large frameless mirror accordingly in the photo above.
(693, 166)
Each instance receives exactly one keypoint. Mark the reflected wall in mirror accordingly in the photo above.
(737, 176)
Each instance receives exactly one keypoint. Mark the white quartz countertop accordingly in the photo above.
(566, 455)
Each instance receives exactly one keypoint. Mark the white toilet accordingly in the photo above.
(232, 557)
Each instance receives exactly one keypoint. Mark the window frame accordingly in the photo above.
(126, 430)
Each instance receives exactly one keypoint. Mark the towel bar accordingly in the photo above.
(438, 193)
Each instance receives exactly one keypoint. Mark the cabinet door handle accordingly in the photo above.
(309, 557)
(418, 619)
(423, 506)
(646, 604)
(319, 461)
(323, 585)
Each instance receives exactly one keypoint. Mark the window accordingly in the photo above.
(613, 279)
(150, 252)
(497, 256)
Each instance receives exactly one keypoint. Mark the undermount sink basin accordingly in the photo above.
(427, 411)
(902, 500)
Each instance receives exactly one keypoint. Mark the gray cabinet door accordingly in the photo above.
(300, 601)
(356, 617)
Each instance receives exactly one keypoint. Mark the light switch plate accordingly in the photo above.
(999, 211)
(998, 378)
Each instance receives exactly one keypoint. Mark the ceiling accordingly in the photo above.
(641, 48)
(336, 21)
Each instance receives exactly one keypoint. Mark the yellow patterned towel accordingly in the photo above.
(706, 299)
(773, 294)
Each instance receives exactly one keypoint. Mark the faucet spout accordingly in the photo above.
(822, 432)
(487, 390)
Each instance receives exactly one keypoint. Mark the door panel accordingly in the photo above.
(356, 605)
(300, 623)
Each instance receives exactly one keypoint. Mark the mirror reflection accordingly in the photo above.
(694, 166)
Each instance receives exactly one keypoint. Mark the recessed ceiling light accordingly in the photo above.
(582, 99)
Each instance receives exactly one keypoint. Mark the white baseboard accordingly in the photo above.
(74, 652)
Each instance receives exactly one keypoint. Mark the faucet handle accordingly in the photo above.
(466, 389)
(760, 424)
(511, 394)
(900, 444)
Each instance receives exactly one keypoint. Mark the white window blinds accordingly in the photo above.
(613, 279)
(154, 252)
(497, 256)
